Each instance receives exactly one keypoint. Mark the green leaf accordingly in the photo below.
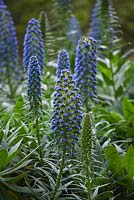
(14, 151)
(104, 68)
(107, 80)
(127, 108)
(7, 127)
(20, 189)
(3, 158)
(115, 117)
(16, 178)
(18, 166)
(1, 136)
(105, 71)
(130, 121)
(128, 161)
(22, 163)
(119, 91)
(115, 163)
(18, 108)
(7, 195)
(130, 131)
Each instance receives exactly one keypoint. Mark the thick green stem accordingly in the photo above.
(87, 107)
(112, 72)
(11, 87)
(38, 138)
(59, 175)
(113, 81)
(88, 177)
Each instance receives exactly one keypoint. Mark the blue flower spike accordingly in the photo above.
(34, 84)
(33, 44)
(8, 44)
(67, 112)
(86, 69)
(63, 62)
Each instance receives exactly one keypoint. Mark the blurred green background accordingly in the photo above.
(23, 10)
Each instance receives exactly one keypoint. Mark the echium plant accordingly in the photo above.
(67, 112)
(63, 62)
(66, 118)
(87, 151)
(103, 23)
(63, 10)
(86, 70)
(43, 24)
(61, 13)
(34, 96)
(95, 25)
(47, 37)
(34, 85)
(73, 32)
(33, 44)
(8, 47)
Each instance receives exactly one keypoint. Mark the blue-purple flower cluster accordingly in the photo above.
(73, 32)
(8, 43)
(67, 112)
(63, 62)
(86, 69)
(1, 3)
(34, 84)
(33, 44)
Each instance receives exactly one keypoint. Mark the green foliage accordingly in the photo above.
(113, 158)
(12, 169)
(128, 161)
(103, 167)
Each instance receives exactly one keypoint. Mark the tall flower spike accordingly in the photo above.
(43, 24)
(87, 150)
(67, 113)
(33, 44)
(103, 23)
(86, 137)
(48, 37)
(86, 69)
(8, 44)
(34, 85)
(95, 26)
(63, 62)
(73, 32)
(63, 10)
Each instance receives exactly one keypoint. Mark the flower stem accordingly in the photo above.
(12, 91)
(59, 175)
(38, 138)
(88, 178)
